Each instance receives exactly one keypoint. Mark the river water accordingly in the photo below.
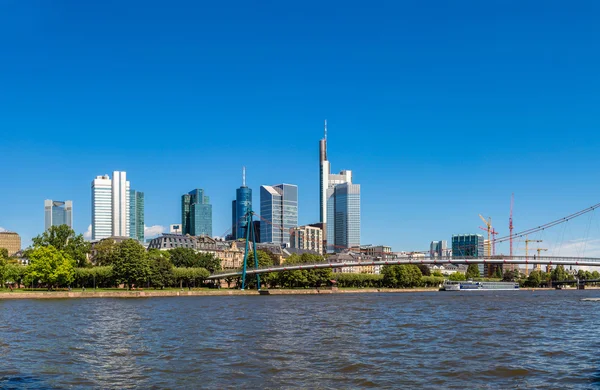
(497, 340)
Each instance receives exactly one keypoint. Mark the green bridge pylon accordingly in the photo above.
(250, 234)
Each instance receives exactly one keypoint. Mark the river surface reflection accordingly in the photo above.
(524, 339)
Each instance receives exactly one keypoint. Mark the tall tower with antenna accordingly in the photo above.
(240, 207)
(349, 224)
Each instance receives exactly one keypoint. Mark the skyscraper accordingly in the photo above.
(101, 207)
(346, 201)
(279, 211)
(348, 229)
(136, 215)
(110, 206)
(196, 213)
(240, 206)
(57, 212)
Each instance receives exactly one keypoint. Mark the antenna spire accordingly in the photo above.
(243, 176)
(325, 129)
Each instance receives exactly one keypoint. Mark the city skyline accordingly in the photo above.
(438, 128)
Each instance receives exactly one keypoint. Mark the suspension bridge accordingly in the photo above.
(496, 260)
(423, 257)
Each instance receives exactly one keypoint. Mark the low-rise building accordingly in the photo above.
(349, 257)
(172, 241)
(308, 238)
(10, 241)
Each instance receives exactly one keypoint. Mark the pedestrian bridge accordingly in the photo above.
(502, 260)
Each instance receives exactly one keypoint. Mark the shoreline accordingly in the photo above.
(216, 292)
(192, 293)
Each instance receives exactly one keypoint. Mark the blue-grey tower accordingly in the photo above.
(240, 207)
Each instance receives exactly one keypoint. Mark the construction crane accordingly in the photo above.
(489, 230)
(510, 223)
(539, 266)
(493, 232)
(527, 241)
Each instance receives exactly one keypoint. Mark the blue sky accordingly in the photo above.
(442, 109)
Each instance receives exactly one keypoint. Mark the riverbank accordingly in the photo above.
(192, 293)
(16, 294)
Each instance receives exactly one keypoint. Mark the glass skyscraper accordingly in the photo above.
(279, 211)
(57, 212)
(240, 206)
(346, 202)
(196, 213)
(136, 215)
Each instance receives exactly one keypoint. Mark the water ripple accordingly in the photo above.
(544, 339)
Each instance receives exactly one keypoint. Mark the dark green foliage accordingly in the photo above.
(161, 269)
(498, 273)
(130, 263)
(472, 272)
(559, 274)
(105, 251)
(188, 257)
(510, 276)
(425, 271)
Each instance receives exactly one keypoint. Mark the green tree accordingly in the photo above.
(264, 260)
(425, 271)
(535, 279)
(498, 273)
(50, 266)
(14, 273)
(472, 272)
(105, 251)
(63, 238)
(191, 276)
(559, 274)
(130, 263)
(183, 257)
(405, 275)
(208, 261)
(4, 253)
(161, 268)
(409, 275)
(457, 276)
(437, 273)
(3, 264)
(510, 276)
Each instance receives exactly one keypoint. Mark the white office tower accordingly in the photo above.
(110, 206)
(120, 204)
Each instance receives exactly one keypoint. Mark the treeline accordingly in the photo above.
(59, 258)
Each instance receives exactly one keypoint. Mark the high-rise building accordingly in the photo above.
(136, 215)
(10, 241)
(57, 212)
(110, 206)
(438, 249)
(468, 245)
(196, 213)
(346, 200)
(279, 211)
(308, 238)
(239, 208)
(101, 207)
(327, 194)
